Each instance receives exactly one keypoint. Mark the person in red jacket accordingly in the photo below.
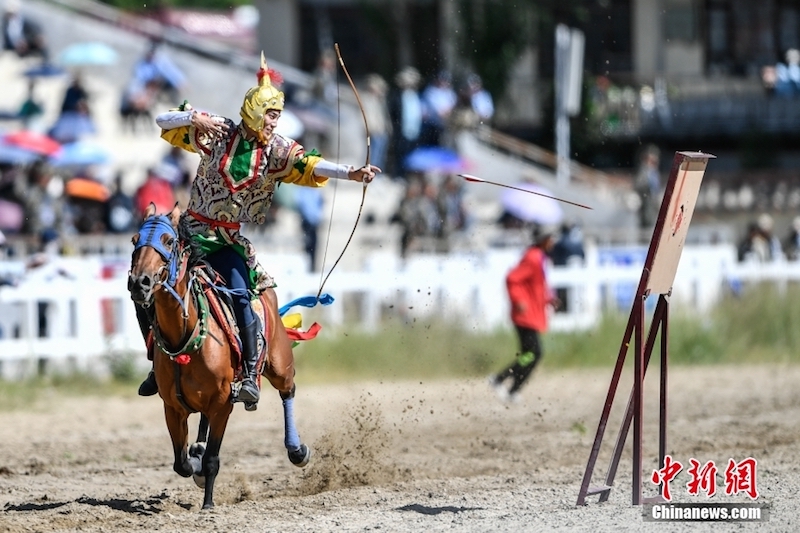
(529, 295)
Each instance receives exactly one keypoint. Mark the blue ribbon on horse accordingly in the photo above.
(307, 301)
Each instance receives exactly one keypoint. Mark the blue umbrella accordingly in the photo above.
(80, 154)
(71, 126)
(44, 70)
(14, 155)
(89, 53)
(435, 159)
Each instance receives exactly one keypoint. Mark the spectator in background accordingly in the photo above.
(31, 110)
(86, 196)
(120, 209)
(75, 121)
(324, 88)
(438, 99)
(309, 201)
(325, 97)
(405, 110)
(377, 111)
(74, 95)
(452, 212)
(752, 247)
(137, 104)
(474, 106)
(177, 159)
(787, 75)
(429, 210)
(766, 227)
(21, 34)
(648, 187)
(759, 243)
(480, 99)
(529, 295)
(45, 212)
(569, 246)
(411, 215)
(156, 68)
(792, 244)
(568, 249)
(157, 189)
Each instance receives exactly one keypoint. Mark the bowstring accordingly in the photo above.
(335, 182)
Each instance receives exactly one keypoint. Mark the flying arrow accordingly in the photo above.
(470, 177)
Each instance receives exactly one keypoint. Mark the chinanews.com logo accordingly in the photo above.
(739, 478)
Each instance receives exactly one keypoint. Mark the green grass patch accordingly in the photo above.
(758, 326)
(402, 351)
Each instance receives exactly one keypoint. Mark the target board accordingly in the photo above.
(669, 236)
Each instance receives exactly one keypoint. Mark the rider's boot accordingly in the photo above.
(149, 387)
(249, 392)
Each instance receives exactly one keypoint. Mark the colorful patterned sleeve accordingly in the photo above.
(180, 137)
(190, 139)
(303, 165)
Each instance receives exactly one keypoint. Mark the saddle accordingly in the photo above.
(209, 291)
(220, 304)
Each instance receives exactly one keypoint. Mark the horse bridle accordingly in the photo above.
(168, 274)
(175, 257)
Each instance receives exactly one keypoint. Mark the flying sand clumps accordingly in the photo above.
(356, 453)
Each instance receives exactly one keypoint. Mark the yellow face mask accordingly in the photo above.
(260, 99)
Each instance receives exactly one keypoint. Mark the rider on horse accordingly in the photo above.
(240, 167)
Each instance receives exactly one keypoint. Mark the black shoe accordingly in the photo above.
(149, 387)
(249, 391)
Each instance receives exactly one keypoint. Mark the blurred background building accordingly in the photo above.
(458, 86)
(713, 75)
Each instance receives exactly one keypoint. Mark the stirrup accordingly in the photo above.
(149, 387)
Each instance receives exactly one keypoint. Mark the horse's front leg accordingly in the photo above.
(179, 432)
(197, 450)
(218, 421)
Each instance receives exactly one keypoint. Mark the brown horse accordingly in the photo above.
(194, 360)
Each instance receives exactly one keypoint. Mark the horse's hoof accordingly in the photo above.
(250, 406)
(200, 481)
(196, 452)
(198, 449)
(301, 456)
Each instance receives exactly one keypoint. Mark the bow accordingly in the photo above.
(364, 190)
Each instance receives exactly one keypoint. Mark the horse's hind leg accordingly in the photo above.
(178, 432)
(279, 370)
(299, 453)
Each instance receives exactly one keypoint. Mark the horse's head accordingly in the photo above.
(157, 255)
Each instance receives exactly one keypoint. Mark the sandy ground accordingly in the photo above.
(400, 457)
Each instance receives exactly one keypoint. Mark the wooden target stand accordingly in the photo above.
(658, 274)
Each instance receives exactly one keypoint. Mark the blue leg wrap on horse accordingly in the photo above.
(291, 439)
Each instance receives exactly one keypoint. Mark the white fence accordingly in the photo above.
(74, 311)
